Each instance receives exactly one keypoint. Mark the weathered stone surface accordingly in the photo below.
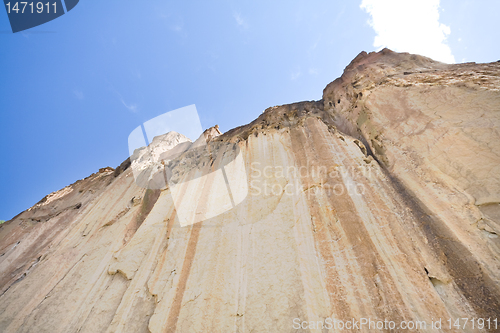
(380, 201)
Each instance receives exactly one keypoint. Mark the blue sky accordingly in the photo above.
(74, 88)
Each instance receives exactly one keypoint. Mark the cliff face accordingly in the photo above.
(380, 201)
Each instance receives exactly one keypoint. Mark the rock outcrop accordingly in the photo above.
(380, 201)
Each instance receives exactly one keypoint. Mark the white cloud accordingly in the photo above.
(176, 24)
(313, 71)
(78, 94)
(239, 20)
(296, 74)
(409, 26)
(137, 73)
(131, 107)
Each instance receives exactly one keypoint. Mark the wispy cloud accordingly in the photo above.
(137, 73)
(409, 26)
(78, 94)
(180, 30)
(295, 74)
(313, 71)
(176, 24)
(131, 107)
(240, 21)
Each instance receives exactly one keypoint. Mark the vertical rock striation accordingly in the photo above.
(381, 201)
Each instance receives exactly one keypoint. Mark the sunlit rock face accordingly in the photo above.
(380, 201)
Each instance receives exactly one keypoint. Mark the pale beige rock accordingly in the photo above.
(380, 201)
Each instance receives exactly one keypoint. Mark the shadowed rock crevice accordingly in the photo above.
(147, 204)
(482, 293)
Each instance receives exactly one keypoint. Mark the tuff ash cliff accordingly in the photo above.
(381, 201)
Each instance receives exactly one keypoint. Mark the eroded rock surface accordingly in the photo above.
(380, 201)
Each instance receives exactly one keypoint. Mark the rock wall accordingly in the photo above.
(380, 201)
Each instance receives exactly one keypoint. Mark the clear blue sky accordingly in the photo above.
(74, 88)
